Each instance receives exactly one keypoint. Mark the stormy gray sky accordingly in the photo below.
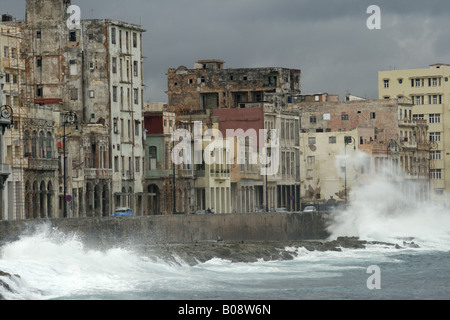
(327, 40)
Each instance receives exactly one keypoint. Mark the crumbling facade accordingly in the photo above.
(210, 86)
(79, 98)
(392, 141)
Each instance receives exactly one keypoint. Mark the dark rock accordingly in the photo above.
(250, 251)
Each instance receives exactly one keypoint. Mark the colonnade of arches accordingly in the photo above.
(39, 200)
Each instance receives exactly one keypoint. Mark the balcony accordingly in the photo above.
(43, 164)
(94, 173)
(5, 169)
(220, 174)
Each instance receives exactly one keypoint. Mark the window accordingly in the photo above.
(418, 100)
(136, 128)
(152, 152)
(38, 34)
(7, 78)
(91, 36)
(115, 127)
(372, 115)
(113, 35)
(116, 164)
(434, 118)
(435, 136)
(400, 81)
(344, 116)
(135, 68)
(436, 174)
(435, 155)
(312, 119)
(114, 93)
(418, 117)
(137, 164)
(114, 65)
(435, 99)
(38, 62)
(309, 173)
(311, 140)
(417, 82)
(386, 84)
(434, 82)
(136, 98)
(91, 94)
(13, 53)
(39, 91)
(73, 36)
(6, 52)
(134, 40)
(311, 159)
(332, 140)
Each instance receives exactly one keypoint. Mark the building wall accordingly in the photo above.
(429, 90)
(210, 86)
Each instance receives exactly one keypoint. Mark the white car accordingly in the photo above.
(281, 210)
(310, 209)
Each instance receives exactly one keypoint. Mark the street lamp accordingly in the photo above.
(70, 118)
(348, 140)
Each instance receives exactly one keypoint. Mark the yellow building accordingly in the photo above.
(429, 91)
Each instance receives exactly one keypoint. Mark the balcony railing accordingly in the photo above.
(43, 164)
(96, 173)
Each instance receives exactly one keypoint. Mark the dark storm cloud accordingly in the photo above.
(327, 40)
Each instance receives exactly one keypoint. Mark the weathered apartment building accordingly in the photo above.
(78, 128)
(246, 99)
(428, 90)
(347, 143)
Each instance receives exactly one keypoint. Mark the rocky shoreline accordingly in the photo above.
(235, 251)
(200, 252)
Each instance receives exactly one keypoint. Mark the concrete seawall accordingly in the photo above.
(109, 232)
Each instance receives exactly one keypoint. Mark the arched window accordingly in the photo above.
(33, 144)
(26, 143)
(49, 147)
(41, 149)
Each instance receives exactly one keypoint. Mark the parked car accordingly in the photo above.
(310, 209)
(123, 212)
(281, 210)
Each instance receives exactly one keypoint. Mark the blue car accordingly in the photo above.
(123, 212)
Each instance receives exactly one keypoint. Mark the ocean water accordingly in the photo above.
(54, 266)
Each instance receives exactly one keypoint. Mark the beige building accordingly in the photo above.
(429, 91)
